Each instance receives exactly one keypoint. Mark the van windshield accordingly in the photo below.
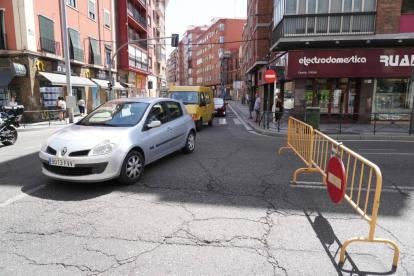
(187, 97)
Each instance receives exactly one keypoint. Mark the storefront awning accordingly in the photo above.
(57, 79)
(118, 86)
(102, 83)
(5, 78)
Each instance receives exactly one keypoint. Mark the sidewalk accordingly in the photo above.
(351, 132)
(43, 125)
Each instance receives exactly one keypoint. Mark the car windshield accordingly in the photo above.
(116, 114)
(218, 101)
(187, 97)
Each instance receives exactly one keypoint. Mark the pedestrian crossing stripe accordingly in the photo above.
(237, 121)
(222, 121)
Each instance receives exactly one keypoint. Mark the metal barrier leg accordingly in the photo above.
(396, 250)
(303, 170)
(280, 150)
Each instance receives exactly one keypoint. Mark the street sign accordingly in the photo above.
(270, 76)
(336, 180)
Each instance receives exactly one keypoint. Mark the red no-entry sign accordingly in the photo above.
(270, 76)
(336, 180)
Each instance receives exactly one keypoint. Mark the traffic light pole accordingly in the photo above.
(111, 79)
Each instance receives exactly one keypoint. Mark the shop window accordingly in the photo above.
(95, 54)
(91, 9)
(393, 95)
(47, 35)
(407, 7)
(76, 50)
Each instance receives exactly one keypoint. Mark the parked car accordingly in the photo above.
(117, 140)
(198, 101)
(220, 107)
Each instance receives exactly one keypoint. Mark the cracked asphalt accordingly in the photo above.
(227, 209)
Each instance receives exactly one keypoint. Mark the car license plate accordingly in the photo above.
(61, 163)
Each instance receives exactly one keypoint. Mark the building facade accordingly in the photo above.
(32, 62)
(172, 68)
(352, 59)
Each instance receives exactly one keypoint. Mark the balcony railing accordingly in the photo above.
(141, 44)
(159, 8)
(324, 24)
(76, 54)
(3, 41)
(50, 46)
(136, 15)
(143, 3)
(160, 26)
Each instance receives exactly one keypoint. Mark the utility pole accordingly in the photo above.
(67, 58)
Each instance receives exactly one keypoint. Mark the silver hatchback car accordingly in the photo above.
(117, 140)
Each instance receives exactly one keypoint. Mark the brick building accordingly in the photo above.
(32, 64)
(344, 56)
(172, 68)
(142, 66)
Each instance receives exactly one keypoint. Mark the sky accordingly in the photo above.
(182, 13)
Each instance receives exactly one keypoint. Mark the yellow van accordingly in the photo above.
(198, 100)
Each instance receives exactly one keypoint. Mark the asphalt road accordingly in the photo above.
(227, 209)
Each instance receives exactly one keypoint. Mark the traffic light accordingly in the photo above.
(175, 40)
(109, 86)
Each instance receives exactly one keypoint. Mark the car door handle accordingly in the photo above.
(185, 122)
(168, 129)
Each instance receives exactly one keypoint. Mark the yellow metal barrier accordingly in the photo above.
(300, 140)
(358, 170)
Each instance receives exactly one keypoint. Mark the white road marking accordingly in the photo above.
(248, 128)
(222, 121)
(237, 121)
(22, 195)
(33, 147)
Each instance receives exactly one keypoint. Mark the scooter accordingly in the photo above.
(9, 121)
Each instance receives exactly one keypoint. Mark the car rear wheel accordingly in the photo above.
(190, 143)
(132, 168)
(199, 124)
(210, 123)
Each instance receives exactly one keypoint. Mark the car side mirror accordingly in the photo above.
(203, 103)
(154, 124)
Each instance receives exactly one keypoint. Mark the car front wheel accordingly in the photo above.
(190, 143)
(132, 168)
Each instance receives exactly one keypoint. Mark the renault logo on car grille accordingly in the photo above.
(64, 151)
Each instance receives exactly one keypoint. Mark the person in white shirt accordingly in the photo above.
(12, 102)
(81, 105)
(61, 107)
(257, 107)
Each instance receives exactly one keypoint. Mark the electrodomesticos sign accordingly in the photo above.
(351, 63)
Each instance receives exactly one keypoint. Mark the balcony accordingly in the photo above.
(50, 46)
(159, 9)
(160, 26)
(338, 24)
(135, 36)
(3, 41)
(137, 16)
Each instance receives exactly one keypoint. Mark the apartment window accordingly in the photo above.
(47, 35)
(107, 19)
(149, 21)
(108, 54)
(72, 3)
(91, 9)
(76, 50)
(3, 42)
(150, 64)
(95, 54)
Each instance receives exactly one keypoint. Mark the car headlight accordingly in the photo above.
(105, 147)
(46, 143)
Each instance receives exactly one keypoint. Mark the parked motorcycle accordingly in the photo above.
(9, 121)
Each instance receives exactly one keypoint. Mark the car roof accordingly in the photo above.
(188, 88)
(148, 100)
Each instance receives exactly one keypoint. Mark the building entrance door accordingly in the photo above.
(332, 98)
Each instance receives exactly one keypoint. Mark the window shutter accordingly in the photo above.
(91, 9)
(47, 34)
(107, 20)
(291, 7)
(95, 55)
(77, 50)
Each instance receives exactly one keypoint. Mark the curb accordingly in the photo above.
(339, 137)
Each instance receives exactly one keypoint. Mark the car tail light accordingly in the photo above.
(194, 116)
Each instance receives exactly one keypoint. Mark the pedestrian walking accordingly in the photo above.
(257, 107)
(81, 105)
(247, 98)
(243, 99)
(278, 109)
(12, 102)
(61, 106)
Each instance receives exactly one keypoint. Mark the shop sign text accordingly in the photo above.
(394, 60)
(354, 59)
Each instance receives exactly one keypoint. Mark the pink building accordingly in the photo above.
(32, 62)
